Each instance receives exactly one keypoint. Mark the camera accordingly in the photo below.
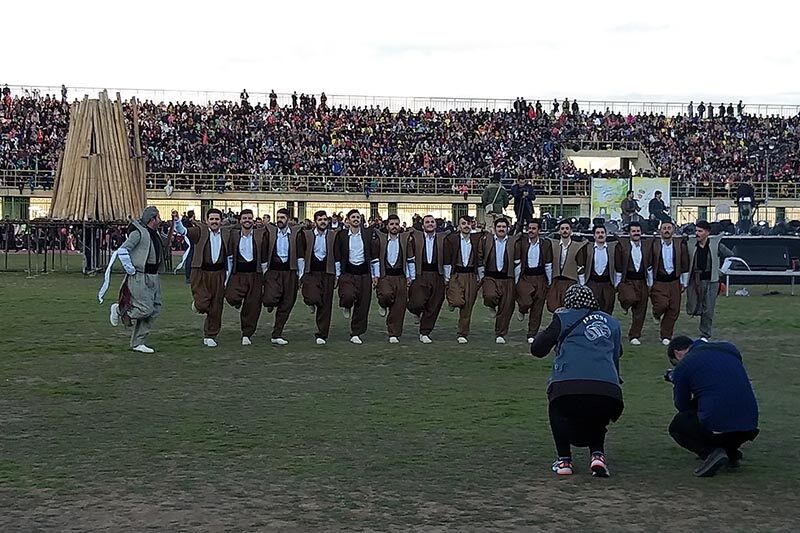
(668, 375)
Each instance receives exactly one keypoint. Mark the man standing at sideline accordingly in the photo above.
(426, 295)
(494, 199)
(245, 287)
(567, 270)
(498, 277)
(632, 262)
(461, 262)
(670, 274)
(705, 253)
(523, 195)
(280, 274)
(209, 262)
(317, 270)
(599, 261)
(534, 259)
(141, 255)
(355, 250)
(396, 272)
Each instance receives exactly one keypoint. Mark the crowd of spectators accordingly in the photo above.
(309, 138)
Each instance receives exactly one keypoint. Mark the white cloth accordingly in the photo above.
(246, 247)
(107, 276)
(466, 249)
(282, 244)
(636, 255)
(600, 259)
(668, 256)
(430, 242)
(185, 255)
(320, 245)
(533, 254)
(215, 240)
(500, 253)
(356, 248)
(564, 250)
(393, 250)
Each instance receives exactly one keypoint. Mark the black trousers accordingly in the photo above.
(687, 430)
(581, 420)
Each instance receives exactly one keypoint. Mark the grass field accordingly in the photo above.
(94, 437)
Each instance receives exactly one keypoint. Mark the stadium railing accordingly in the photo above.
(265, 183)
(414, 103)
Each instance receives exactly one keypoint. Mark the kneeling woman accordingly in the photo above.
(584, 388)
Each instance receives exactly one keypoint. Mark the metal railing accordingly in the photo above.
(203, 183)
(395, 103)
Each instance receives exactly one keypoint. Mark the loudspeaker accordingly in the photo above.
(583, 223)
(726, 226)
(716, 228)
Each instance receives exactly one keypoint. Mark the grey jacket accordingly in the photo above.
(139, 245)
(716, 252)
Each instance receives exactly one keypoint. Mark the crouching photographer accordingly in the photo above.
(717, 410)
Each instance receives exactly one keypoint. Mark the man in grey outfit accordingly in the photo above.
(705, 253)
(141, 256)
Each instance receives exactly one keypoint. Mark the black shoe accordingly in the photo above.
(716, 460)
(734, 461)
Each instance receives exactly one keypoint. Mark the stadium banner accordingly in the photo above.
(645, 188)
(607, 195)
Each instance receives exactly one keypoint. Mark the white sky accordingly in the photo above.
(622, 50)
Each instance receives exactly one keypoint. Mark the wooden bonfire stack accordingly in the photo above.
(97, 178)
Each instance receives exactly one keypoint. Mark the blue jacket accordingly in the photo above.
(711, 378)
(592, 349)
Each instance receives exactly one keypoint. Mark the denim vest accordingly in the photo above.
(591, 350)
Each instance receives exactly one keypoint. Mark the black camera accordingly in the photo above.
(668, 375)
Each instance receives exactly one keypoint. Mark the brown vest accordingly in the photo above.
(452, 248)
(610, 269)
(489, 256)
(571, 264)
(679, 256)
(419, 250)
(524, 245)
(232, 245)
(383, 247)
(310, 236)
(272, 249)
(623, 261)
(199, 236)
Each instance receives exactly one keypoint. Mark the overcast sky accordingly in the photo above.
(591, 50)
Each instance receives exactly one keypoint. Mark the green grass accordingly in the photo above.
(93, 436)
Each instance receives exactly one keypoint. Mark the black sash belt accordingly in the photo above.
(464, 270)
(432, 267)
(634, 276)
(394, 271)
(279, 266)
(666, 278)
(245, 266)
(357, 270)
(317, 265)
(599, 279)
(535, 271)
(213, 267)
(496, 275)
(151, 268)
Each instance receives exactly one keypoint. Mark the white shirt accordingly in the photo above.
(668, 256)
(282, 244)
(320, 245)
(500, 253)
(533, 254)
(356, 248)
(466, 249)
(564, 249)
(246, 247)
(393, 250)
(636, 255)
(215, 239)
(430, 241)
(600, 259)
